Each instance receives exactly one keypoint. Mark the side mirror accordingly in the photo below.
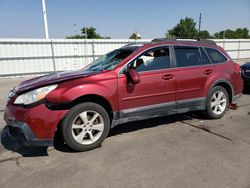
(135, 77)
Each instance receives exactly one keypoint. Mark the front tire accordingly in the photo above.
(86, 126)
(217, 102)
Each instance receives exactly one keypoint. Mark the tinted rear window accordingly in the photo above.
(188, 56)
(216, 56)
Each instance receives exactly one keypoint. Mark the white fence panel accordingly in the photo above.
(236, 48)
(39, 56)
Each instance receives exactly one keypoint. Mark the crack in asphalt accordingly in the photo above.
(244, 105)
(16, 159)
(206, 129)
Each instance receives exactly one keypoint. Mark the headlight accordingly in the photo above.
(35, 95)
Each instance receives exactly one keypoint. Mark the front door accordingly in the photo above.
(156, 90)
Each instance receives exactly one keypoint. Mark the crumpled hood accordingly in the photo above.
(52, 78)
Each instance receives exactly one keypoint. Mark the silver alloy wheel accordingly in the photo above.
(218, 102)
(87, 127)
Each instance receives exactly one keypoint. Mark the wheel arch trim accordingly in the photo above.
(224, 82)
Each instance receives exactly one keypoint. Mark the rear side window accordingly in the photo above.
(216, 56)
(188, 56)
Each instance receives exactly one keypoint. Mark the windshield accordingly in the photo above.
(110, 60)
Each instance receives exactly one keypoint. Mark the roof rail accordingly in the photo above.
(163, 40)
(207, 41)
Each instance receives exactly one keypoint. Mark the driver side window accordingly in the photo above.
(155, 59)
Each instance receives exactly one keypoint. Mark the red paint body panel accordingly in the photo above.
(42, 121)
(103, 84)
(152, 89)
(190, 82)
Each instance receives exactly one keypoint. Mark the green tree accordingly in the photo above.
(204, 34)
(240, 33)
(184, 29)
(90, 32)
(75, 37)
(227, 34)
(135, 36)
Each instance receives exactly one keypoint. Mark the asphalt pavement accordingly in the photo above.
(176, 151)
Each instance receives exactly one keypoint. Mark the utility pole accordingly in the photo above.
(199, 27)
(45, 20)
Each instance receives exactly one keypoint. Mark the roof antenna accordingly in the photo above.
(198, 38)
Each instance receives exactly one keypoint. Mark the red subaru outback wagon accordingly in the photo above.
(132, 83)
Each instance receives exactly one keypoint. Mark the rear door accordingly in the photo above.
(156, 90)
(192, 71)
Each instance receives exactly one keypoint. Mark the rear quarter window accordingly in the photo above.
(216, 56)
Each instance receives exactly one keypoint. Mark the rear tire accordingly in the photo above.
(86, 126)
(217, 102)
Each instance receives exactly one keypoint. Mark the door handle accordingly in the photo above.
(168, 77)
(208, 71)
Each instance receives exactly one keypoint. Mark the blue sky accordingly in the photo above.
(118, 18)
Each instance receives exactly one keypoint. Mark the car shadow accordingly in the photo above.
(127, 127)
(15, 145)
(145, 124)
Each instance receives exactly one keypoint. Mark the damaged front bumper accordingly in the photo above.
(22, 132)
